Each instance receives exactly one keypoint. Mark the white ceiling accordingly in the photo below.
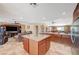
(61, 13)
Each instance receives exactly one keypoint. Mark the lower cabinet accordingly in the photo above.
(36, 47)
(66, 39)
(43, 47)
(55, 37)
(26, 44)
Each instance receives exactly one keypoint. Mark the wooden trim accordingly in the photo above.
(76, 13)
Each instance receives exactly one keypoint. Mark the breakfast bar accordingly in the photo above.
(36, 44)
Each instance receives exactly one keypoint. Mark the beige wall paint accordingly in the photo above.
(33, 28)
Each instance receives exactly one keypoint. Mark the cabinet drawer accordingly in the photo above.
(42, 49)
(43, 41)
(66, 37)
(26, 44)
(42, 45)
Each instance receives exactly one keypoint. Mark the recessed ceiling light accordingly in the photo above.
(21, 18)
(44, 18)
(64, 13)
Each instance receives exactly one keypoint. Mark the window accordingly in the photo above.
(61, 28)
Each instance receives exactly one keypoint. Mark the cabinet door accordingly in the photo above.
(66, 39)
(26, 44)
(55, 37)
(48, 44)
(43, 47)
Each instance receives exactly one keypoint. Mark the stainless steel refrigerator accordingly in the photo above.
(75, 33)
(75, 36)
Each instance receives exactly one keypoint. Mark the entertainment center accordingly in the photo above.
(7, 31)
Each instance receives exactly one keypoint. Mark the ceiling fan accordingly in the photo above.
(33, 4)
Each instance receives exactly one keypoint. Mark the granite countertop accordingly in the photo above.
(35, 37)
(60, 33)
(44, 35)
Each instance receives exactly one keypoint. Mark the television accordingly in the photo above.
(11, 28)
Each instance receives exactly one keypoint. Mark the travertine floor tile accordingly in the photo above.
(16, 48)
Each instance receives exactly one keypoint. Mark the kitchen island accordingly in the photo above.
(60, 37)
(36, 44)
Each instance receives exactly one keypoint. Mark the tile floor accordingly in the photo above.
(16, 48)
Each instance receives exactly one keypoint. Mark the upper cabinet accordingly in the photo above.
(67, 28)
(76, 13)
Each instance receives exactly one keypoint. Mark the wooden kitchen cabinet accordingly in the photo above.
(37, 45)
(76, 13)
(60, 38)
(26, 44)
(66, 39)
(66, 36)
(43, 50)
(43, 46)
(55, 37)
(67, 29)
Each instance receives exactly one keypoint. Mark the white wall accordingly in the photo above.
(43, 13)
